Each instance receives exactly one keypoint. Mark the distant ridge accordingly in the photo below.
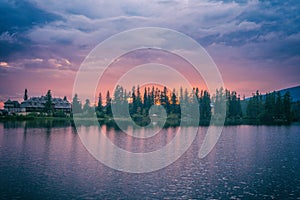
(294, 91)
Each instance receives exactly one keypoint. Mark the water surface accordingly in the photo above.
(50, 162)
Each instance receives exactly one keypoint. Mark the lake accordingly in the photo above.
(248, 162)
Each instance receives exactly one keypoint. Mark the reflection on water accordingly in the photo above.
(39, 123)
(50, 162)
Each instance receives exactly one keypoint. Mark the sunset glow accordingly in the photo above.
(253, 49)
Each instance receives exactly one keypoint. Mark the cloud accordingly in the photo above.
(83, 26)
(59, 63)
(38, 35)
(21, 15)
(115, 16)
(4, 64)
(7, 37)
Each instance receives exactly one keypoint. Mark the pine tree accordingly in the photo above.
(287, 101)
(138, 101)
(151, 97)
(76, 105)
(25, 95)
(204, 107)
(86, 106)
(255, 107)
(279, 106)
(108, 110)
(239, 107)
(234, 110)
(99, 105)
(164, 100)
(220, 102)
(146, 102)
(48, 104)
(133, 105)
(118, 96)
(174, 107)
(181, 95)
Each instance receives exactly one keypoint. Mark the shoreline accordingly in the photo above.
(144, 122)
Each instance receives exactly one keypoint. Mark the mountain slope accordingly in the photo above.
(294, 91)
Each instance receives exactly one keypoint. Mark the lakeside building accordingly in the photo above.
(12, 106)
(37, 104)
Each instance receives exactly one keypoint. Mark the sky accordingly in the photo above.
(255, 44)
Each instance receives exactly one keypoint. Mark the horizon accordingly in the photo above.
(142, 92)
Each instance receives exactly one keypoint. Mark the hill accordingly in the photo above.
(294, 91)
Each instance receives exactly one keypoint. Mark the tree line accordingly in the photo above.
(271, 108)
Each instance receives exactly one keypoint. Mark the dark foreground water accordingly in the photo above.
(248, 162)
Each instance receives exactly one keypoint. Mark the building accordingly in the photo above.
(12, 106)
(37, 104)
(62, 105)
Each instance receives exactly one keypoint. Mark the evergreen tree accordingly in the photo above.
(99, 105)
(278, 106)
(273, 110)
(255, 107)
(175, 108)
(76, 105)
(239, 107)
(48, 104)
(204, 107)
(139, 100)
(234, 110)
(269, 108)
(186, 97)
(164, 100)
(118, 96)
(25, 95)
(181, 95)
(133, 105)
(108, 110)
(119, 102)
(157, 96)
(249, 108)
(220, 102)
(287, 101)
(146, 101)
(151, 97)
(86, 106)
(87, 109)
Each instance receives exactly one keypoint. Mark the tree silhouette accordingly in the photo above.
(25, 95)
(108, 104)
(287, 106)
(76, 105)
(48, 104)
(272, 108)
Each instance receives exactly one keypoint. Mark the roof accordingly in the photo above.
(8, 101)
(11, 103)
(39, 102)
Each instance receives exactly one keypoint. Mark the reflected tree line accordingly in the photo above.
(271, 108)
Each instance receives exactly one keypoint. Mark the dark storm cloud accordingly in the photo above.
(20, 15)
(16, 18)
